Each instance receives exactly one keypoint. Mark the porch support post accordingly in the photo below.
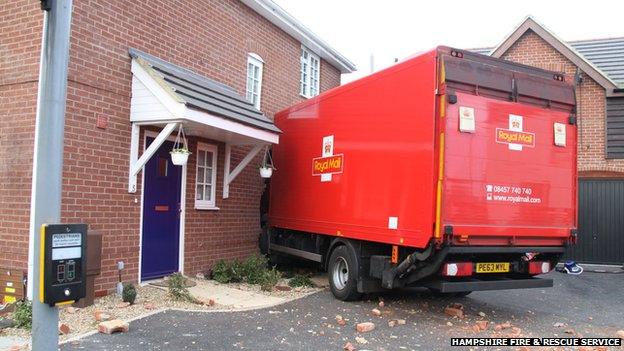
(137, 165)
(230, 176)
(226, 171)
(134, 155)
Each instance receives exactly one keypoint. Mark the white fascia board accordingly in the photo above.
(282, 19)
(173, 105)
(231, 126)
(509, 35)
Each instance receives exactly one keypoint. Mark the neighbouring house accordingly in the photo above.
(596, 67)
(137, 71)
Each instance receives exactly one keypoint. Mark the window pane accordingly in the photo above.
(208, 179)
(200, 192)
(249, 87)
(209, 159)
(208, 196)
(201, 158)
(200, 175)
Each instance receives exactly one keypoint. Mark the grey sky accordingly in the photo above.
(400, 28)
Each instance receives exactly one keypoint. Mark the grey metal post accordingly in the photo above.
(48, 156)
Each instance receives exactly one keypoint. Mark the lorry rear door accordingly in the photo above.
(509, 175)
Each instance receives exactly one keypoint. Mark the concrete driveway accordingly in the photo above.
(586, 305)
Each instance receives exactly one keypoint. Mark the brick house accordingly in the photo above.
(137, 71)
(597, 69)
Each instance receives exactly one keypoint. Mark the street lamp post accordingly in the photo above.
(48, 157)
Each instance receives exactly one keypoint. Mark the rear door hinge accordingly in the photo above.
(514, 90)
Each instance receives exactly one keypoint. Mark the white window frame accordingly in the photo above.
(309, 78)
(207, 204)
(254, 60)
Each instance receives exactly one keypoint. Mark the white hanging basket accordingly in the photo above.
(179, 157)
(266, 172)
(267, 167)
(180, 153)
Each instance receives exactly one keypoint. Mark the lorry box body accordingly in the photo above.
(446, 149)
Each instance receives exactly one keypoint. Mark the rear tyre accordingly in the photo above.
(342, 271)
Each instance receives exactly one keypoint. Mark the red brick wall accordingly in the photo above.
(20, 42)
(232, 231)
(211, 37)
(532, 50)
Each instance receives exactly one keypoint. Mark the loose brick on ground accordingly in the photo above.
(365, 327)
(114, 326)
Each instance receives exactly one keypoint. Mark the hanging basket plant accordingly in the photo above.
(180, 152)
(267, 167)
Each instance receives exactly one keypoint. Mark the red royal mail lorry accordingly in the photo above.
(451, 170)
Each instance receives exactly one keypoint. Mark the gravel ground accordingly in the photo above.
(291, 294)
(588, 305)
(149, 299)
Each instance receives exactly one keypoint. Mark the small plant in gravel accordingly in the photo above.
(177, 288)
(269, 279)
(226, 272)
(23, 314)
(253, 268)
(300, 280)
(129, 293)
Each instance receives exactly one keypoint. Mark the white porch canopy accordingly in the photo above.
(166, 95)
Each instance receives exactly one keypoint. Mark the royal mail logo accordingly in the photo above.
(328, 163)
(515, 137)
(506, 136)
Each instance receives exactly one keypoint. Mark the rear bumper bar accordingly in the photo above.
(504, 249)
(425, 272)
(475, 284)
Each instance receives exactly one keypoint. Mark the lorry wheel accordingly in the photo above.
(343, 272)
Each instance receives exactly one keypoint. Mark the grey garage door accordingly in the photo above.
(601, 222)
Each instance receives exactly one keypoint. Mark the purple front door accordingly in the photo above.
(161, 214)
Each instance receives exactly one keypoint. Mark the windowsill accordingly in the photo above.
(206, 208)
(305, 97)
